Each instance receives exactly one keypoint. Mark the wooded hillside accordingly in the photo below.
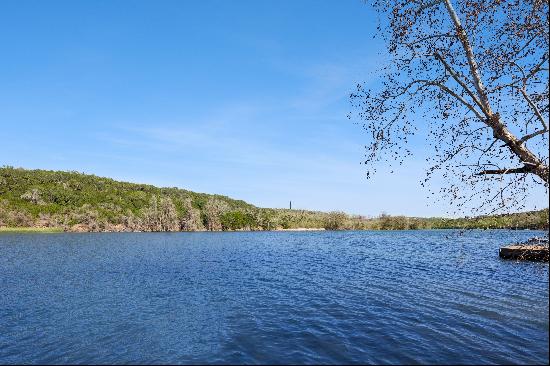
(74, 201)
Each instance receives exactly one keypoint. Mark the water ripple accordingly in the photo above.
(314, 297)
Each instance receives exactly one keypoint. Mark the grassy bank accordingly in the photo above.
(6, 229)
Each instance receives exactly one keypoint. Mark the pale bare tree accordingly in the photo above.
(213, 210)
(33, 196)
(160, 215)
(151, 221)
(168, 215)
(471, 77)
(191, 220)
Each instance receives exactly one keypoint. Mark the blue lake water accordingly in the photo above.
(271, 297)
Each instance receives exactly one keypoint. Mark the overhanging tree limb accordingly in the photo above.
(500, 131)
(462, 36)
(452, 67)
(519, 170)
(455, 76)
(535, 110)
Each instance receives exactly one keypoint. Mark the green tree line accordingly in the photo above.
(74, 201)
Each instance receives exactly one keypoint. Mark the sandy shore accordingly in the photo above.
(302, 229)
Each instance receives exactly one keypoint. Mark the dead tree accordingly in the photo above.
(470, 77)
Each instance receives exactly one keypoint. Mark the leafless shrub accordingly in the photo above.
(33, 196)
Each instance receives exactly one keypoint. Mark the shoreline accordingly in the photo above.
(30, 229)
(57, 230)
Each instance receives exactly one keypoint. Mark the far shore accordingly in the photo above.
(302, 229)
(4, 229)
(46, 230)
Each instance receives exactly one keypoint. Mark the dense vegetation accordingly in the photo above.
(79, 202)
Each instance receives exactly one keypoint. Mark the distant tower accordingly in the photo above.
(291, 205)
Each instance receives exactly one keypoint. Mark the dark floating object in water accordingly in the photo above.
(534, 249)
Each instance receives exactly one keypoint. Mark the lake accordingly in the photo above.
(271, 297)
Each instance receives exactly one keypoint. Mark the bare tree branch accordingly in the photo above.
(455, 76)
(470, 56)
(531, 135)
(458, 97)
(504, 171)
(535, 110)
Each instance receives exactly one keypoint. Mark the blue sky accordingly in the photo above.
(242, 98)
